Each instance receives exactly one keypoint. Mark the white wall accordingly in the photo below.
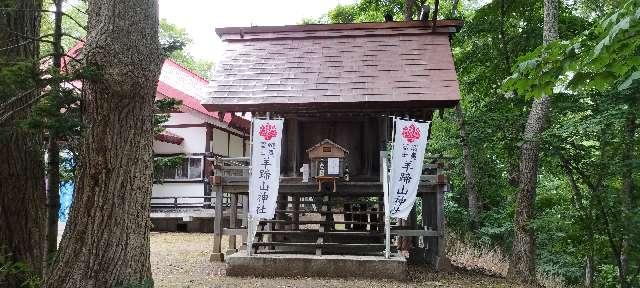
(194, 141)
(235, 146)
(184, 118)
(160, 147)
(220, 142)
(178, 189)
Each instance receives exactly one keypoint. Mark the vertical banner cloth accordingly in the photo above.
(410, 142)
(265, 168)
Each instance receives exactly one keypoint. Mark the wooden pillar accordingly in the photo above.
(296, 213)
(368, 146)
(233, 218)
(245, 221)
(216, 254)
(429, 220)
(441, 261)
(291, 146)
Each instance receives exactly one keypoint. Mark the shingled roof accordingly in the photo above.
(342, 66)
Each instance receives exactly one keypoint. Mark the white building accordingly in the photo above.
(180, 201)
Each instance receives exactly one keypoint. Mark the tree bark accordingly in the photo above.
(107, 238)
(53, 196)
(522, 265)
(408, 9)
(22, 195)
(627, 198)
(469, 177)
(53, 150)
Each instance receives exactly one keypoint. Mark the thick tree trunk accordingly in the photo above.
(522, 265)
(469, 177)
(107, 238)
(53, 150)
(22, 195)
(408, 9)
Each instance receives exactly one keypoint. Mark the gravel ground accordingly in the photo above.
(182, 260)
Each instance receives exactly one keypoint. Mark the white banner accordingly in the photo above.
(265, 168)
(410, 142)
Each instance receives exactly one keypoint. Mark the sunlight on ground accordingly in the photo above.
(182, 260)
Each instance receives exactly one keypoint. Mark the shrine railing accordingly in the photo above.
(348, 221)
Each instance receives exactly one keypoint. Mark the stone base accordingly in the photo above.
(302, 265)
(216, 257)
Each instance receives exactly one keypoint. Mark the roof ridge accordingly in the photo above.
(193, 73)
(325, 141)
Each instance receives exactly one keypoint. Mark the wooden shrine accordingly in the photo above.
(337, 87)
(327, 162)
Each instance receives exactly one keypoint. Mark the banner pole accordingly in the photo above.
(249, 216)
(385, 188)
(387, 219)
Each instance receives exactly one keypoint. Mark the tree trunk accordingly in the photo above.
(454, 9)
(107, 238)
(469, 177)
(53, 196)
(589, 271)
(22, 196)
(408, 9)
(53, 150)
(586, 222)
(522, 265)
(627, 198)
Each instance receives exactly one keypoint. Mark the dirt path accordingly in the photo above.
(182, 260)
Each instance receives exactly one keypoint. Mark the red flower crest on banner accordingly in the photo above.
(268, 131)
(411, 133)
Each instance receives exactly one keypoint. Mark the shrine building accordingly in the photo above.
(337, 87)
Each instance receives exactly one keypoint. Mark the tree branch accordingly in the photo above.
(41, 38)
(8, 114)
(20, 9)
(73, 37)
(75, 21)
(16, 45)
(78, 9)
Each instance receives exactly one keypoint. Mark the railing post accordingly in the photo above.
(216, 254)
(387, 218)
(233, 218)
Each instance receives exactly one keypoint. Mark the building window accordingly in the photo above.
(190, 168)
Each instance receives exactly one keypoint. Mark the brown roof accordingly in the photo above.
(336, 66)
(327, 141)
(169, 137)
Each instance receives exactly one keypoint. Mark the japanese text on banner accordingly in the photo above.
(265, 168)
(410, 142)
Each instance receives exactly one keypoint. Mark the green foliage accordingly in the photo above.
(74, 22)
(162, 109)
(174, 40)
(12, 272)
(604, 56)
(160, 163)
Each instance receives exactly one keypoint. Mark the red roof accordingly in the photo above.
(189, 102)
(169, 137)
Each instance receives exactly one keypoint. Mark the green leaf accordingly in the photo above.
(627, 83)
